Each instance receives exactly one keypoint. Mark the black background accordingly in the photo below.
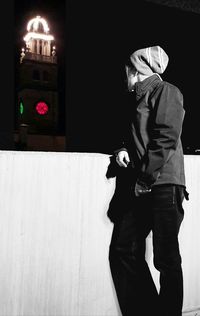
(102, 37)
(93, 40)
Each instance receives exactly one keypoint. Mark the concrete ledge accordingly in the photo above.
(55, 235)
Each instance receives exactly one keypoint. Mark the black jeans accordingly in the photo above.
(160, 212)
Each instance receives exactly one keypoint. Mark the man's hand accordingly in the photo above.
(123, 158)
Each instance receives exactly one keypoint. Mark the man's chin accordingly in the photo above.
(131, 88)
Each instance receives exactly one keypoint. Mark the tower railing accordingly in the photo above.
(40, 58)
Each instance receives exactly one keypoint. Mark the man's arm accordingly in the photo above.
(165, 132)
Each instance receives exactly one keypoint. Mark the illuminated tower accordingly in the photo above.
(37, 88)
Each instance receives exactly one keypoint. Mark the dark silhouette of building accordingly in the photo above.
(37, 90)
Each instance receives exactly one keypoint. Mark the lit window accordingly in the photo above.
(45, 76)
(36, 75)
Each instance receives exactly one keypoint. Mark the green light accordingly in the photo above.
(21, 108)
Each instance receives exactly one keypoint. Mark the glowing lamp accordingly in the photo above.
(42, 108)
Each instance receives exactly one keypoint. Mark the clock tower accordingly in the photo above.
(37, 86)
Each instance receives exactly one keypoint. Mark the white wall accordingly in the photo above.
(55, 235)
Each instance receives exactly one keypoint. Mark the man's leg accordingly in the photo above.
(136, 291)
(168, 215)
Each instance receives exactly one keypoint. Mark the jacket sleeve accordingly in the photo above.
(165, 130)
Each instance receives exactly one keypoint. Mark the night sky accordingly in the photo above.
(93, 40)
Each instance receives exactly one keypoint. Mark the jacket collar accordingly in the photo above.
(142, 87)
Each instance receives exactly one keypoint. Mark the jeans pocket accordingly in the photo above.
(180, 195)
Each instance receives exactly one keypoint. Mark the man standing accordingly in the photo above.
(150, 196)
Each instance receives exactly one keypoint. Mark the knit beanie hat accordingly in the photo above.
(150, 60)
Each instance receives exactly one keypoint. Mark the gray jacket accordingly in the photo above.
(153, 132)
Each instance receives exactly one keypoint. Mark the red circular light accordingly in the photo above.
(42, 108)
